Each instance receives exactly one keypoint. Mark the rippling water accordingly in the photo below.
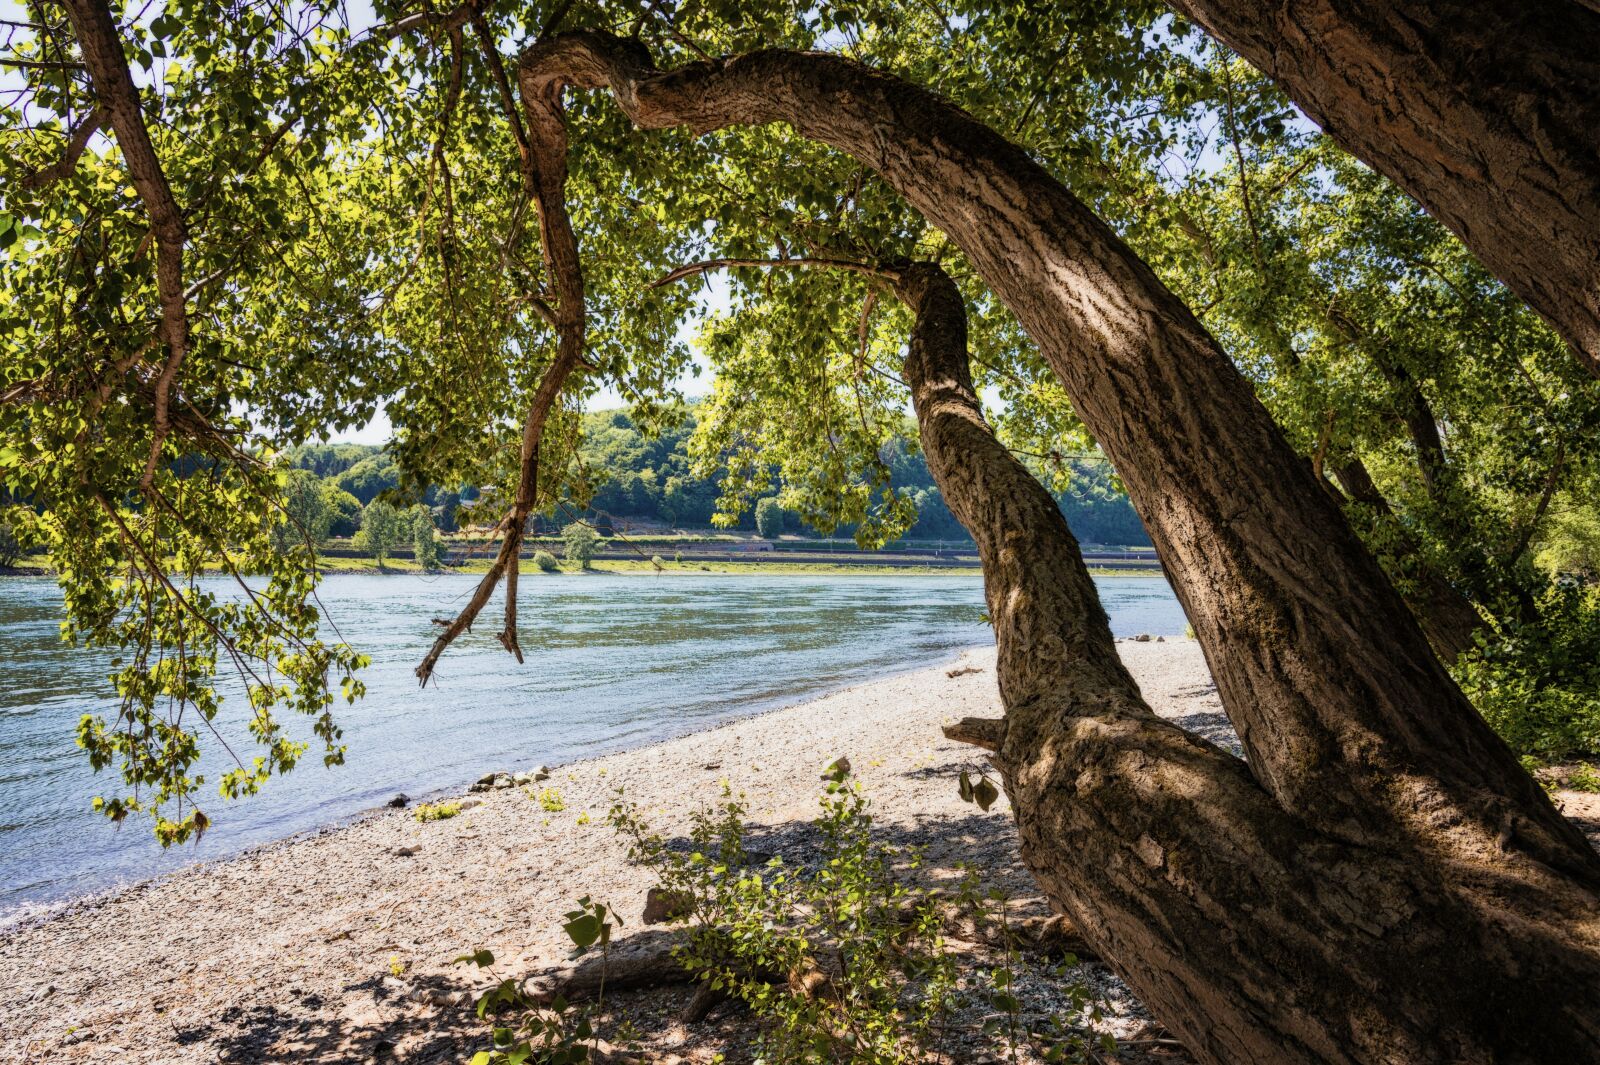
(612, 662)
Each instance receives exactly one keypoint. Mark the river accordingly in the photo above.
(613, 661)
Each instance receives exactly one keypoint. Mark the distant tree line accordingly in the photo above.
(632, 477)
(651, 479)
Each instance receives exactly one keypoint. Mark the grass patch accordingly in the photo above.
(437, 811)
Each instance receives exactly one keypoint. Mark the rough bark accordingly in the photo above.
(1252, 934)
(1345, 713)
(119, 104)
(1486, 112)
(1382, 881)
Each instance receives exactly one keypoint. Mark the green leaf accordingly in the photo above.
(583, 930)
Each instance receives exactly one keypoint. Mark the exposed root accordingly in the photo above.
(986, 732)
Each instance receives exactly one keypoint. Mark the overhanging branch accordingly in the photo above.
(810, 263)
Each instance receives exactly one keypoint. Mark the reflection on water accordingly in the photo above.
(612, 662)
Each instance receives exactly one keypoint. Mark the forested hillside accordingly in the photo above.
(634, 478)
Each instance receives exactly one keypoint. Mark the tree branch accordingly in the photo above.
(119, 101)
(850, 265)
(77, 143)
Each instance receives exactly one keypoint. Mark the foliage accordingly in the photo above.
(11, 549)
(1538, 683)
(369, 478)
(1570, 543)
(549, 800)
(769, 517)
(437, 811)
(1583, 777)
(307, 517)
(382, 528)
(579, 542)
(344, 510)
(636, 476)
(843, 959)
(425, 544)
(546, 562)
(553, 1033)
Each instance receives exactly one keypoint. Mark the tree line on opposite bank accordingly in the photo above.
(631, 477)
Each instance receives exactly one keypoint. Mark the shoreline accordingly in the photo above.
(612, 567)
(351, 932)
(340, 944)
(32, 914)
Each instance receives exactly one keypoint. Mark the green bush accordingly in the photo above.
(438, 811)
(546, 562)
(425, 544)
(841, 960)
(772, 935)
(580, 542)
(10, 544)
(1538, 685)
(769, 517)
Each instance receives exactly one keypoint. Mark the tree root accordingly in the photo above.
(986, 732)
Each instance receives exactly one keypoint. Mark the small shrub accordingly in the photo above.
(580, 542)
(1584, 777)
(549, 800)
(1538, 685)
(840, 960)
(437, 811)
(555, 1033)
(844, 946)
(546, 562)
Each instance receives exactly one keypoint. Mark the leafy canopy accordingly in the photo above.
(356, 234)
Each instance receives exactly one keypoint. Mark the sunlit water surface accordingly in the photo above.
(612, 662)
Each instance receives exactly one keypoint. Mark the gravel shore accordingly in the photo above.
(339, 947)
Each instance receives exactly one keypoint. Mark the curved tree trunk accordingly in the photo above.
(1344, 712)
(1254, 934)
(1381, 833)
(1485, 111)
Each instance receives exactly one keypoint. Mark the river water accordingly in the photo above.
(613, 661)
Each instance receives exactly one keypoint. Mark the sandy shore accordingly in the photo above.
(339, 947)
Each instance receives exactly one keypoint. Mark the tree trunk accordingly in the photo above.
(1381, 833)
(1485, 111)
(1255, 935)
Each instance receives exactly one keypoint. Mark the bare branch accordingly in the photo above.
(986, 732)
(38, 64)
(445, 20)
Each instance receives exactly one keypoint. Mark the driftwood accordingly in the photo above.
(986, 732)
(638, 964)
